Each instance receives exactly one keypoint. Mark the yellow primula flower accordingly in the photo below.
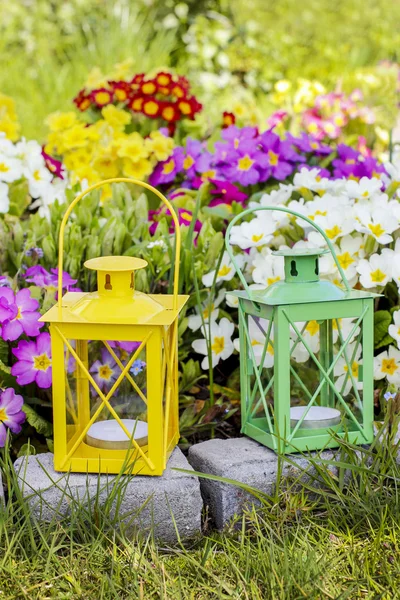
(75, 137)
(132, 146)
(75, 158)
(160, 145)
(106, 166)
(10, 127)
(60, 121)
(116, 117)
(122, 70)
(138, 169)
(96, 79)
(84, 171)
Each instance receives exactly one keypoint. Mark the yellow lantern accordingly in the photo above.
(108, 417)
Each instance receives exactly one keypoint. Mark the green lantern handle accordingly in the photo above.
(291, 212)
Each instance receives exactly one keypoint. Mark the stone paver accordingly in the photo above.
(174, 499)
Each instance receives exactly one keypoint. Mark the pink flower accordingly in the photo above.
(34, 361)
(18, 314)
(42, 278)
(11, 414)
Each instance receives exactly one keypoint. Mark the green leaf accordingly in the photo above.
(191, 373)
(26, 450)
(382, 320)
(41, 425)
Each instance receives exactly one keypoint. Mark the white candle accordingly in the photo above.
(110, 435)
(317, 417)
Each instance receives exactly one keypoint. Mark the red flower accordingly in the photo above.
(163, 79)
(178, 91)
(135, 103)
(151, 108)
(121, 90)
(189, 107)
(148, 87)
(228, 119)
(137, 79)
(102, 96)
(82, 101)
(169, 112)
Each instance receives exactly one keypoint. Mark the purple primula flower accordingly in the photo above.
(49, 281)
(389, 396)
(309, 144)
(226, 193)
(34, 361)
(4, 281)
(104, 371)
(184, 217)
(234, 139)
(351, 162)
(244, 165)
(196, 159)
(280, 157)
(11, 414)
(23, 316)
(166, 171)
(34, 252)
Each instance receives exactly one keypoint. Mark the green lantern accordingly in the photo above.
(306, 354)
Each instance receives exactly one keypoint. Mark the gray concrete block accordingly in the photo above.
(246, 461)
(144, 504)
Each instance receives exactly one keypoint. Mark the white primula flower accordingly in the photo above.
(377, 271)
(377, 221)
(6, 146)
(337, 223)
(221, 342)
(257, 232)
(29, 152)
(196, 321)
(346, 326)
(387, 364)
(348, 254)
(363, 189)
(258, 338)
(341, 369)
(232, 301)
(309, 179)
(275, 197)
(39, 182)
(54, 191)
(311, 337)
(10, 169)
(4, 199)
(394, 329)
(226, 270)
(267, 269)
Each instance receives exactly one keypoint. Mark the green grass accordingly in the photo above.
(330, 535)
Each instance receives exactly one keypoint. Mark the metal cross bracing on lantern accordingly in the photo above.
(115, 366)
(306, 354)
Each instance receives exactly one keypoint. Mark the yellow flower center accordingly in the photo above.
(273, 158)
(3, 415)
(321, 213)
(206, 311)
(36, 175)
(255, 343)
(224, 270)
(185, 108)
(350, 161)
(345, 260)
(312, 127)
(105, 372)
(208, 174)
(120, 94)
(19, 316)
(188, 162)
(148, 88)
(257, 238)
(312, 327)
(41, 362)
(245, 163)
(4, 168)
(236, 143)
(150, 108)
(354, 369)
(168, 113)
(186, 216)
(272, 280)
(376, 230)
(365, 194)
(169, 167)
(218, 345)
(334, 232)
(102, 97)
(389, 366)
(378, 276)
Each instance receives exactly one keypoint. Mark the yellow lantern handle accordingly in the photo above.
(121, 180)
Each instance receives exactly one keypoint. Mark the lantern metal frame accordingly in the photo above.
(274, 428)
(159, 335)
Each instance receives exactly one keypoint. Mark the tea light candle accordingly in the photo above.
(109, 435)
(317, 417)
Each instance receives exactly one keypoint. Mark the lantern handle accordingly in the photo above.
(121, 180)
(291, 212)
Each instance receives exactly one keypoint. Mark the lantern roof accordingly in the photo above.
(116, 301)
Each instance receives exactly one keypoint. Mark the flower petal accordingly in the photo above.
(25, 302)
(43, 378)
(12, 330)
(24, 372)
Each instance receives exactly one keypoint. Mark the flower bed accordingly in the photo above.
(312, 160)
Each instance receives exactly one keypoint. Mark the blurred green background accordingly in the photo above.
(227, 49)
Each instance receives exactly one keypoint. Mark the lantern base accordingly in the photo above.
(317, 417)
(109, 435)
